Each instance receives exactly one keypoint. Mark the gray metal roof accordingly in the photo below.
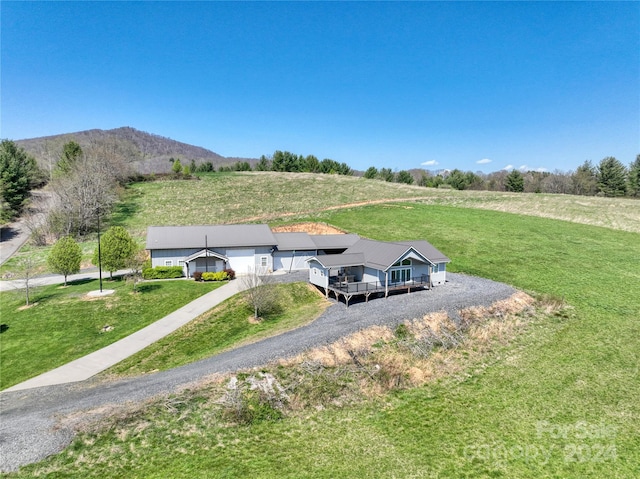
(382, 255)
(427, 250)
(217, 236)
(335, 241)
(337, 260)
(378, 254)
(294, 241)
(205, 253)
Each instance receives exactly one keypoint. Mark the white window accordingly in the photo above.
(404, 262)
(168, 262)
(264, 261)
(435, 268)
(180, 263)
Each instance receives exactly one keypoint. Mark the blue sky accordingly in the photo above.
(478, 86)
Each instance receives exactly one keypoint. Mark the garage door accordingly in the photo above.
(242, 261)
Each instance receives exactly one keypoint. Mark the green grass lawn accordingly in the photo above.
(559, 402)
(225, 326)
(64, 324)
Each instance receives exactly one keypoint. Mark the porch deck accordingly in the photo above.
(359, 288)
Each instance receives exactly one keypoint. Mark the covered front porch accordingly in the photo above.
(204, 261)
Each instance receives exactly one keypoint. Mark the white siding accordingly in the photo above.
(242, 261)
(285, 260)
(318, 275)
(159, 256)
(441, 276)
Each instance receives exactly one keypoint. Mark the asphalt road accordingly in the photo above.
(30, 420)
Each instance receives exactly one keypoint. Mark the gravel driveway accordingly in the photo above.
(29, 430)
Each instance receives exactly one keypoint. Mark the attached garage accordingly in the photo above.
(292, 260)
(242, 261)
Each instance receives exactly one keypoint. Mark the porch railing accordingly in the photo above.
(377, 286)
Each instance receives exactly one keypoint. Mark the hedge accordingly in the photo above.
(163, 272)
(223, 275)
(217, 276)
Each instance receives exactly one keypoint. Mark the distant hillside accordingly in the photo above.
(148, 153)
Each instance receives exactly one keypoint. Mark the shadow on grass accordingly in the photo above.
(3, 328)
(145, 288)
(79, 282)
(126, 209)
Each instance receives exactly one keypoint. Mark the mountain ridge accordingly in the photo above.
(146, 152)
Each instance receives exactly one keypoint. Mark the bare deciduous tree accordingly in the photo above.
(25, 274)
(135, 263)
(259, 292)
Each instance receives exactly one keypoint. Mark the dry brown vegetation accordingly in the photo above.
(424, 349)
(308, 227)
(365, 364)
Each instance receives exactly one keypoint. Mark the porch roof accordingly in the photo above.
(339, 260)
(205, 253)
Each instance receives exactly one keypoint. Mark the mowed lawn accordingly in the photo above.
(562, 401)
(64, 324)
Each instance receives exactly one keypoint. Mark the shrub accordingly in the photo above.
(215, 276)
(197, 275)
(162, 272)
(231, 273)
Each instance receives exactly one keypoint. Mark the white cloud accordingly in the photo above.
(523, 168)
(484, 161)
(429, 163)
(541, 170)
(508, 167)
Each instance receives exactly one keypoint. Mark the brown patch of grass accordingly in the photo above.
(308, 227)
(27, 306)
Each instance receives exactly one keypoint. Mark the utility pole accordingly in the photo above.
(99, 252)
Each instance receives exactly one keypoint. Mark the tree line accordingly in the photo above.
(609, 178)
(85, 181)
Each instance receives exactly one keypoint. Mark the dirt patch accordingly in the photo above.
(310, 228)
(27, 306)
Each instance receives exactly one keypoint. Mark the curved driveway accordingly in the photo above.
(29, 428)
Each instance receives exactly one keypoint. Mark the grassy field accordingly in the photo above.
(561, 401)
(265, 197)
(64, 324)
(225, 326)
(271, 197)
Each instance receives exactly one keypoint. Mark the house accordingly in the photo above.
(369, 267)
(242, 248)
(344, 264)
(212, 247)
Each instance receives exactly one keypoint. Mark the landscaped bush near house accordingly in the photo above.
(217, 276)
(224, 275)
(162, 272)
